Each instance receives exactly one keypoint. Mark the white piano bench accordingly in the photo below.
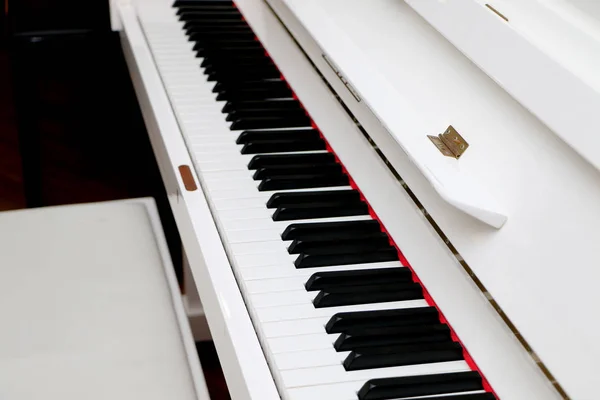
(90, 307)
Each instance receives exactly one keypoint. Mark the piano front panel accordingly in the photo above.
(311, 370)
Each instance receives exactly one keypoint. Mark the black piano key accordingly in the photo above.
(217, 18)
(225, 75)
(325, 280)
(297, 134)
(209, 9)
(223, 86)
(326, 230)
(251, 49)
(400, 355)
(255, 94)
(265, 91)
(272, 120)
(397, 356)
(208, 15)
(264, 173)
(205, 36)
(262, 105)
(240, 67)
(307, 181)
(211, 65)
(367, 294)
(420, 385)
(335, 246)
(357, 338)
(295, 198)
(327, 234)
(242, 60)
(312, 261)
(273, 84)
(269, 160)
(202, 3)
(319, 210)
(224, 71)
(275, 122)
(283, 146)
(296, 112)
(470, 396)
(187, 14)
(204, 17)
(340, 322)
(215, 43)
(228, 29)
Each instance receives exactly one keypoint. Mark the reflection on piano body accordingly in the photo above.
(384, 199)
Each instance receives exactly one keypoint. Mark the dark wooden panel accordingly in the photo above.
(28, 16)
(11, 179)
(81, 132)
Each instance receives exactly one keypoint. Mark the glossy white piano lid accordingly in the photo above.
(545, 53)
(541, 266)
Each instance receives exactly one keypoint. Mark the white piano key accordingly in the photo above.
(209, 121)
(334, 374)
(241, 186)
(227, 176)
(276, 246)
(212, 138)
(232, 155)
(252, 224)
(220, 165)
(263, 260)
(289, 270)
(232, 194)
(301, 343)
(293, 328)
(214, 131)
(295, 312)
(263, 300)
(338, 391)
(241, 204)
(192, 109)
(310, 358)
(217, 130)
(275, 285)
(299, 278)
(217, 150)
(347, 391)
(183, 75)
(246, 214)
(258, 235)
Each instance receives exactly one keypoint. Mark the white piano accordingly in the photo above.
(383, 199)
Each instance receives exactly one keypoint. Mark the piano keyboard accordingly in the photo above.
(338, 314)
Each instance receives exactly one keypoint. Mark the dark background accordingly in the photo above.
(70, 127)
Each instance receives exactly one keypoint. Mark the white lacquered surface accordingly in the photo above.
(240, 354)
(549, 192)
(546, 56)
(90, 308)
(477, 325)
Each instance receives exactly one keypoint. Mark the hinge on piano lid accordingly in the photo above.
(450, 143)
